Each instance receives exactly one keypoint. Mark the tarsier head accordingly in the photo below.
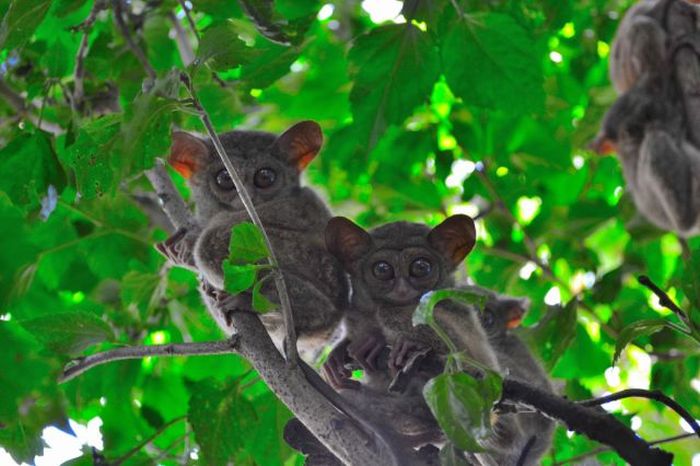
(398, 262)
(503, 313)
(269, 165)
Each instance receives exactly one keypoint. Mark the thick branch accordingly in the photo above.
(285, 303)
(77, 367)
(650, 394)
(595, 424)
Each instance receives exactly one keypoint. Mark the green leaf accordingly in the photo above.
(270, 62)
(33, 165)
(491, 61)
(221, 419)
(394, 68)
(452, 456)
(145, 133)
(221, 48)
(462, 406)
(274, 26)
(554, 333)
(260, 302)
(238, 278)
(637, 329)
(247, 244)
(424, 313)
(142, 289)
(92, 154)
(69, 332)
(20, 21)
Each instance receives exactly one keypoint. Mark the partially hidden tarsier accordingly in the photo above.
(500, 318)
(391, 267)
(294, 217)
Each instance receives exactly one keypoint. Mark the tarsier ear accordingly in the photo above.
(345, 240)
(188, 153)
(515, 311)
(301, 143)
(454, 238)
(603, 145)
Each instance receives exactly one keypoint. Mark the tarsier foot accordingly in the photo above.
(179, 248)
(365, 351)
(401, 353)
(224, 302)
(334, 370)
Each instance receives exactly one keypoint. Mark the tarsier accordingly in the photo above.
(293, 216)
(661, 167)
(391, 267)
(500, 317)
(648, 126)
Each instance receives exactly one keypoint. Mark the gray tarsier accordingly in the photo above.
(661, 167)
(391, 267)
(293, 216)
(500, 318)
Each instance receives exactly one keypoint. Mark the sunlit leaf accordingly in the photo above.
(635, 330)
(247, 244)
(69, 332)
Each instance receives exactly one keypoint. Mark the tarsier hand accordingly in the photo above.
(401, 352)
(334, 370)
(365, 351)
(179, 248)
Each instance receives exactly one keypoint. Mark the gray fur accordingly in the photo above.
(294, 218)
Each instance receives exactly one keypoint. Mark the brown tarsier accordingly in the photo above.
(500, 318)
(391, 267)
(293, 216)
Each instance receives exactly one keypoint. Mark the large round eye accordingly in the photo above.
(383, 270)
(224, 181)
(420, 268)
(488, 319)
(264, 178)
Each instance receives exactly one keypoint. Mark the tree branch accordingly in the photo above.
(78, 366)
(664, 299)
(79, 71)
(171, 202)
(183, 43)
(595, 424)
(575, 459)
(193, 26)
(17, 102)
(650, 394)
(290, 342)
(135, 49)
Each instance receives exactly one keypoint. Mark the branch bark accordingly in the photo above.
(598, 425)
(135, 49)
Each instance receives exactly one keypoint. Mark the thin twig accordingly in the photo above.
(290, 342)
(190, 20)
(146, 441)
(664, 299)
(78, 366)
(17, 102)
(604, 449)
(135, 49)
(649, 394)
(79, 71)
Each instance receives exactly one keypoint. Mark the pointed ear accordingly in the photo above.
(301, 143)
(345, 240)
(188, 153)
(515, 311)
(454, 238)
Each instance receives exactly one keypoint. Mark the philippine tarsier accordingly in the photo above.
(391, 267)
(648, 126)
(293, 216)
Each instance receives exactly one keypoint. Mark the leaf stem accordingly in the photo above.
(146, 441)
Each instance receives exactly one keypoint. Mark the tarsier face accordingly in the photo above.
(502, 313)
(268, 165)
(398, 262)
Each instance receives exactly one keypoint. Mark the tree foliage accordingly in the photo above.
(475, 106)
